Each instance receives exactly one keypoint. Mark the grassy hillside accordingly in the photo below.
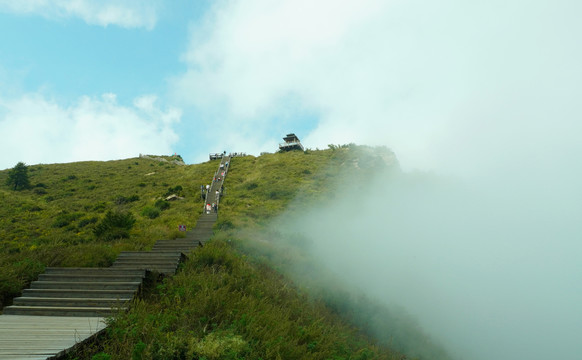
(235, 299)
(52, 223)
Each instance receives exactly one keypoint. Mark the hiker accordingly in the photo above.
(214, 207)
(207, 188)
(208, 208)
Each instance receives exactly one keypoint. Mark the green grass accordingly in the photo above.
(237, 298)
(52, 223)
(223, 305)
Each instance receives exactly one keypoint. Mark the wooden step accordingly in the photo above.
(149, 254)
(90, 285)
(88, 277)
(161, 270)
(70, 302)
(76, 293)
(108, 270)
(60, 311)
(140, 263)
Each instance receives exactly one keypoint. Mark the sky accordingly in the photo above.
(453, 86)
(483, 91)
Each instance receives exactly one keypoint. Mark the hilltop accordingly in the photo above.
(236, 298)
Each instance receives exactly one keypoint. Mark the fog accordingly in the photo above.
(489, 266)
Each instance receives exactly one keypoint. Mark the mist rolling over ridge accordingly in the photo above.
(489, 266)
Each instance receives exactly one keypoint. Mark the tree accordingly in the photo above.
(18, 177)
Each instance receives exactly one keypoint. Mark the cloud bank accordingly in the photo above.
(123, 13)
(89, 129)
(491, 270)
(449, 85)
(485, 91)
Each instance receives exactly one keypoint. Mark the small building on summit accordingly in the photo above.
(291, 143)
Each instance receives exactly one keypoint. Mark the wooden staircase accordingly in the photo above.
(89, 294)
(78, 292)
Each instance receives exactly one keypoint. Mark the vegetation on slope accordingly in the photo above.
(229, 302)
(54, 222)
(223, 305)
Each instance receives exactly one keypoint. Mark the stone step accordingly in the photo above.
(108, 271)
(88, 277)
(89, 285)
(70, 302)
(60, 311)
(75, 293)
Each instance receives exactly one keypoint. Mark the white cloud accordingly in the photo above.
(442, 83)
(124, 13)
(39, 130)
(485, 90)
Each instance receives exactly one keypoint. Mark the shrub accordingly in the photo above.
(64, 219)
(100, 207)
(174, 190)
(150, 212)
(162, 205)
(115, 225)
(120, 200)
(101, 356)
(85, 222)
(224, 224)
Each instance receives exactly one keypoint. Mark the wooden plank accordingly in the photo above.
(39, 337)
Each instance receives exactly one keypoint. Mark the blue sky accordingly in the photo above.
(56, 56)
(99, 80)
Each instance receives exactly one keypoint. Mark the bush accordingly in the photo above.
(63, 220)
(120, 200)
(174, 190)
(162, 205)
(115, 225)
(150, 212)
(100, 207)
(40, 191)
(85, 222)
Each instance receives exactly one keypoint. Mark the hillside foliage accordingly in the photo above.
(236, 298)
